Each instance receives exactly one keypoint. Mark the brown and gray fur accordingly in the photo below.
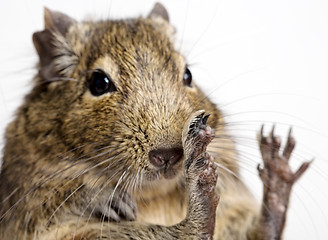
(69, 155)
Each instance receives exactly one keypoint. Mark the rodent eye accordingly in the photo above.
(187, 77)
(100, 83)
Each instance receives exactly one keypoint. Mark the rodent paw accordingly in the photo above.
(278, 180)
(276, 165)
(197, 136)
(118, 208)
(199, 165)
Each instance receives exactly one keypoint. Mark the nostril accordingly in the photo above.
(176, 156)
(157, 161)
(165, 156)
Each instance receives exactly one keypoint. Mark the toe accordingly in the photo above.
(290, 145)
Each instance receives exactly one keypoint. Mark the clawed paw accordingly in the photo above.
(197, 135)
(199, 165)
(201, 175)
(278, 180)
(276, 164)
(198, 131)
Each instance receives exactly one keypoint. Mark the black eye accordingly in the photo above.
(187, 78)
(100, 83)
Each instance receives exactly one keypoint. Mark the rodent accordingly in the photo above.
(98, 148)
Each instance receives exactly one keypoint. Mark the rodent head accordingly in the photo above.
(116, 93)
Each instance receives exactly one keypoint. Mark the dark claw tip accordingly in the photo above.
(205, 119)
(290, 132)
(200, 116)
(261, 130)
(272, 131)
(308, 163)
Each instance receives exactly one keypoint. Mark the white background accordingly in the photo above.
(260, 61)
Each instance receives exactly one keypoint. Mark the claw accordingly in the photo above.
(301, 170)
(264, 140)
(290, 132)
(259, 135)
(196, 121)
(290, 145)
(276, 142)
(199, 117)
(259, 169)
(272, 132)
(205, 119)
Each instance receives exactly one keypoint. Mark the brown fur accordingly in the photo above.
(67, 150)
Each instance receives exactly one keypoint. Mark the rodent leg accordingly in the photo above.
(201, 176)
(278, 180)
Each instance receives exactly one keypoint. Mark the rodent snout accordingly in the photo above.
(165, 156)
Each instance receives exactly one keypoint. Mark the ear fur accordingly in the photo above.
(159, 11)
(51, 43)
(57, 21)
(160, 20)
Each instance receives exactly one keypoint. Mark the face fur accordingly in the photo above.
(115, 93)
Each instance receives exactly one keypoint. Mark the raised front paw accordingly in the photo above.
(278, 180)
(117, 207)
(201, 176)
(196, 136)
(275, 170)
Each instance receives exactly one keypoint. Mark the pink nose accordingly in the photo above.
(162, 157)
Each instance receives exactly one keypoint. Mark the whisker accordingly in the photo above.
(96, 195)
(56, 79)
(229, 81)
(110, 200)
(205, 30)
(63, 202)
(48, 178)
(93, 198)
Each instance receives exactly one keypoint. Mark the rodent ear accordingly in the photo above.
(57, 21)
(160, 20)
(43, 44)
(54, 51)
(159, 11)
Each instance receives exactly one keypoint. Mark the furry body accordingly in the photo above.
(77, 166)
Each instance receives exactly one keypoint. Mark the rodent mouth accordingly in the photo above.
(171, 173)
(167, 173)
